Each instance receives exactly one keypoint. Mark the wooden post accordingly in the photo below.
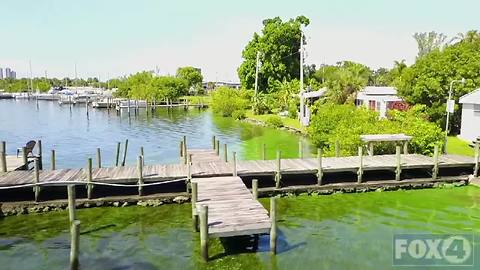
(181, 149)
(360, 166)
(117, 158)
(142, 153)
(204, 231)
(319, 164)
(278, 174)
(405, 148)
(36, 188)
(40, 159)
(53, 164)
(185, 153)
(225, 152)
(300, 149)
(337, 148)
(398, 171)
(140, 175)
(189, 171)
(3, 156)
(477, 158)
(99, 158)
(194, 206)
(71, 203)
(125, 152)
(74, 244)
(234, 163)
(264, 151)
(255, 189)
(370, 149)
(435, 163)
(273, 229)
(24, 158)
(217, 149)
(89, 178)
(214, 140)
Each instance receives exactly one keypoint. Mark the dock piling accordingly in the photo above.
(255, 189)
(225, 152)
(140, 175)
(194, 206)
(234, 163)
(53, 162)
(217, 149)
(278, 173)
(181, 149)
(273, 229)
(39, 155)
(435, 163)
(25, 158)
(360, 165)
(204, 231)
(125, 153)
(99, 158)
(300, 149)
(3, 156)
(36, 188)
(71, 203)
(319, 164)
(214, 142)
(189, 172)
(117, 157)
(337, 148)
(74, 244)
(89, 178)
(264, 151)
(398, 170)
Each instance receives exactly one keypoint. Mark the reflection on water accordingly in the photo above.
(344, 231)
(75, 138)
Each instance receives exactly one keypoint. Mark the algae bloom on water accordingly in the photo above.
(343, 231)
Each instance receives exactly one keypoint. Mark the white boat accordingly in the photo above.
(66, 99)
(45, 96)
(22, 95)
(132, 104)
(103, 103)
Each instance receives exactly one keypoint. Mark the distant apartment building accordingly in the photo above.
(9, 73)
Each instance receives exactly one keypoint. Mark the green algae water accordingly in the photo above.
(342, 231)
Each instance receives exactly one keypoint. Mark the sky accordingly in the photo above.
(112, 38)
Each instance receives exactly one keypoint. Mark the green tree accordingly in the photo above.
(227, 100)
(192, 75)
(344, 83)
(427, 81)
(279, 44)
(427, 42)
(168, 87)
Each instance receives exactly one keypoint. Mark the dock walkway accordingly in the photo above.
(209, 164)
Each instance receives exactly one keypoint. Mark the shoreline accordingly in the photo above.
(159, 199)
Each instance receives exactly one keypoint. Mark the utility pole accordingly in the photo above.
(256, 78)
(302, 101)
(450, 108)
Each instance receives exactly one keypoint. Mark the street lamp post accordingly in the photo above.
(450, 107)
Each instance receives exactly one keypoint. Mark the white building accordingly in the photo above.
(378, 98)
(309, 98)
(470, 127)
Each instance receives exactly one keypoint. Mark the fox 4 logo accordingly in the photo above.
(433, 250)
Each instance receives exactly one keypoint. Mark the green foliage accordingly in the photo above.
(226, 100)
(427, 81)
(346, 123)
(192, 75)
(239, 114)
(279, 44)
(274, 121)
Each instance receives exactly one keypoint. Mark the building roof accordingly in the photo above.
(471, 98)
(315, 94)
(379, 91)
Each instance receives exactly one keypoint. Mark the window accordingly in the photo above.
(476, 107)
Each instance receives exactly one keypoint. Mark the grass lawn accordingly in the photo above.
(288, 122)
(459, 147)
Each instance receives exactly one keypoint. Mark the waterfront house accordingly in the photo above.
(379, 98)
(470, 125)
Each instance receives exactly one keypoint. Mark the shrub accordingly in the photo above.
(239, 114)
(274, 121)
(346, 123)
(226, 100)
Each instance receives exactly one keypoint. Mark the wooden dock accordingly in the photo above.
(211, 166)
(232, 210)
